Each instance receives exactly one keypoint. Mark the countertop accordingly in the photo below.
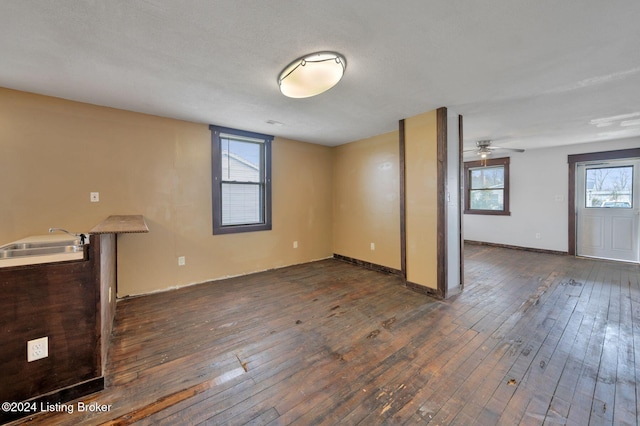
(115, 224)
(121, 224)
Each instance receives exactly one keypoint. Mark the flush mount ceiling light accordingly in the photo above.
(312, 74)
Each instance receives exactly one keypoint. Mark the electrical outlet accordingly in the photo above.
(538, 236)
(37, 349)
(295, 244)
(94, 197)
(182, 261)
(373, 246)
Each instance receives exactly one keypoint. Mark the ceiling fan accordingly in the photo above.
(484, 149)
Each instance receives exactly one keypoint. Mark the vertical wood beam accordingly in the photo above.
(403, 218)
(459, 195)
(441, 119)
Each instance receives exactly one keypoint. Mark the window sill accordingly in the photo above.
(235, 229)
(488, 212)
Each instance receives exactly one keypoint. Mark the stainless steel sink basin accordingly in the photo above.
(18, 250)
(37, 249)
(40, 244)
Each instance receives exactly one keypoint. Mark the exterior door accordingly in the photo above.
(608, 210)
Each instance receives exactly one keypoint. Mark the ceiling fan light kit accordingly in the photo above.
(312, 74)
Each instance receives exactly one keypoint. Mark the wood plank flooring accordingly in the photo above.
(534, 339)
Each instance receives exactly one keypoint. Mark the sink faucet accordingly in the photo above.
(81, 236)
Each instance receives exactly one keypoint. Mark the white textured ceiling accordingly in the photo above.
(524, 73)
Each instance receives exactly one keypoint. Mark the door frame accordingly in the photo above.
(573, 159)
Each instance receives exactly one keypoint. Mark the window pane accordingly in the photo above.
(240, 160)
(492, 199)
(609, 187)
(241, 204)
(487, 177)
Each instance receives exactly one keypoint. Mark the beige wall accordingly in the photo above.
(366, 205)
(55, 152)
(421, 198)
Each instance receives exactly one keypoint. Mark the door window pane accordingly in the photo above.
(609, 187)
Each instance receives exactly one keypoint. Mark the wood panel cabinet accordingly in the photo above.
(72, 304)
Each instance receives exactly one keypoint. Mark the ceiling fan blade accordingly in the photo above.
(484, 148)
(507, 149)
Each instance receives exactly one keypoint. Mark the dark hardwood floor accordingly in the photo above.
(534, 339)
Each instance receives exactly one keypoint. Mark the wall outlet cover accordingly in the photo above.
(37, 349)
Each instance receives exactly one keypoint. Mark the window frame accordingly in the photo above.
(216, 180)
(474, 165)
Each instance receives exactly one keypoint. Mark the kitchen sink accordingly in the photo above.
(40, 245)
(14, 250)
(41, 249)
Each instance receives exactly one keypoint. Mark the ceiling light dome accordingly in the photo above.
(312, 74)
